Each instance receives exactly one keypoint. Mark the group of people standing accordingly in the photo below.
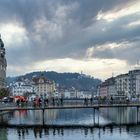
(88, 101)
(38, 101)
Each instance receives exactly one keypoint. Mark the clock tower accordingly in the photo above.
(3, 65)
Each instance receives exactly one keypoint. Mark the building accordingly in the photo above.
(21, 88)
(107, 88)
(3, 65)
(70, 94)
(43, 86)
(111, 87)
(128, 84)
(122, 85)
(134, 83)
(103, 91)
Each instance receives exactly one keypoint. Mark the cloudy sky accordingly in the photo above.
(98, 37)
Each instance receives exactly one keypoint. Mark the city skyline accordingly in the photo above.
(96, 37)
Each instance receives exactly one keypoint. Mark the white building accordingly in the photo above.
(77, 94)
(20, 88)
(134, 83)
(122, 85)
(111, 90)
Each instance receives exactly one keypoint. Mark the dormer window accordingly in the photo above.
(41, 80)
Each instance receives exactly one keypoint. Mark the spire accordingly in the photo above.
(1, 42)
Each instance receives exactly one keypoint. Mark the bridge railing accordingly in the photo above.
(68, 102)
(74, 102)
(10, 104)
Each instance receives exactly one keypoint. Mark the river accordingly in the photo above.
(71, 124)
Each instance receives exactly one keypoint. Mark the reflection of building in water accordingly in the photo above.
(4, 118)
(37, 115)
(56, 116)
(51, 114)
(134, 131)
(3, 134)
(120, 115)
(22, 132)
(61, 116)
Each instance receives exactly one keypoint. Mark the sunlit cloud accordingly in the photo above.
(118, 12)
(12, 33)
(103, 47)
(134, 23)
(101, 68)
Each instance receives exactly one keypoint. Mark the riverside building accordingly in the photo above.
(3, 65)
(21, 88)
(44, 87)
(134, 83)
(123, 85)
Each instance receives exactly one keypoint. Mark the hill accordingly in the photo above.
(64, 80)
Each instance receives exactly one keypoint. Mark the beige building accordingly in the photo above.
(44, 87)
(3, 65)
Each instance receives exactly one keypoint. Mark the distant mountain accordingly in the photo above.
(65, 80)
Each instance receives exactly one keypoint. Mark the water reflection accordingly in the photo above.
(22, 133)
(105, 133)
(83, 117)
(121, 115)
(129, 133)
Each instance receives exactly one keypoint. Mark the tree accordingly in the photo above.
(4, 92)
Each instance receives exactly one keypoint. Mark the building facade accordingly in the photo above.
(123, 85)
(107, 88)
(44, 87)
(3, 65)
(21, 88)
(134, 82)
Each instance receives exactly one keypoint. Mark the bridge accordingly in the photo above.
(72, 106)
(77, 106)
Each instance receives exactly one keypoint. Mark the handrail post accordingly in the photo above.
(43, 110)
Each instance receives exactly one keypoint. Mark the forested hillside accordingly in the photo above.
(64, 80)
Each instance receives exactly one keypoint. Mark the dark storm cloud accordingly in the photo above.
(63, 28)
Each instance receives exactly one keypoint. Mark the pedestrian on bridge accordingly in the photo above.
(53, 101)
(85, 101)
(91, 100)
(61, 100)
(46, 101)
(17, 102)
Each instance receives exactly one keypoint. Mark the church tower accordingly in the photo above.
(3, 65)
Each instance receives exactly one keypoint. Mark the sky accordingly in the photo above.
(100, 38)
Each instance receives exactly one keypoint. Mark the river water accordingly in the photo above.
(90, 124)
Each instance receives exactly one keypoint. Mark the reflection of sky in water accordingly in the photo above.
(72, 116)
(58, 117)
(72, 134)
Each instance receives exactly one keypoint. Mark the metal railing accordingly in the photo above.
(66, 102)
